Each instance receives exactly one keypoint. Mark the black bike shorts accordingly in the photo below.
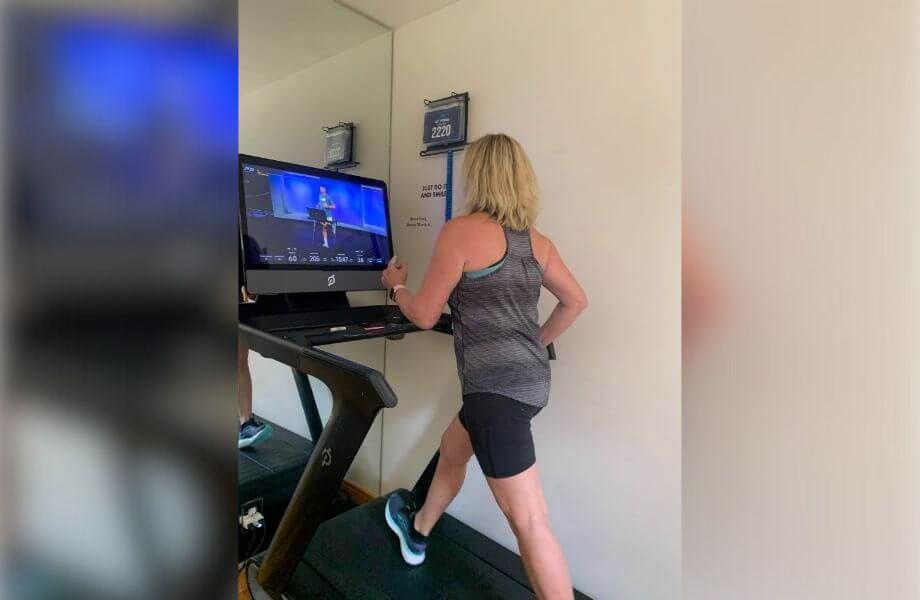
(499, 430)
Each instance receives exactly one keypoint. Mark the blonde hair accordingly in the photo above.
(500, 181)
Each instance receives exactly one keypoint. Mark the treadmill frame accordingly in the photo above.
(358, 394)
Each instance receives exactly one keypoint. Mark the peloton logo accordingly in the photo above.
(327, 457)
(330, 281)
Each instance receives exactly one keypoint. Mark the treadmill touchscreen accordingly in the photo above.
(298, 220)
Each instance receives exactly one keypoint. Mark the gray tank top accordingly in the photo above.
(497, 329)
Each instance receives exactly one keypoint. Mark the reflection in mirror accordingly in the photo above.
(306, 65)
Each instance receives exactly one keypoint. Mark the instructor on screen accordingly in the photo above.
(326, 205)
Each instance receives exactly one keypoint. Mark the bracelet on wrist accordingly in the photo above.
(395, 289)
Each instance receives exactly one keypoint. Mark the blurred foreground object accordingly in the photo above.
(801, 420)
(120, 160)
(702, 299)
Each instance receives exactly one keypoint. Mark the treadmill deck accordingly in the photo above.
(356, 556)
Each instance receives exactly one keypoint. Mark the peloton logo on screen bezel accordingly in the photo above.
(330, 281)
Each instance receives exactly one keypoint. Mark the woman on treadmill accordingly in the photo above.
(489, 266)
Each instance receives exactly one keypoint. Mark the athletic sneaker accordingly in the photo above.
(400, 519)
(253, 432)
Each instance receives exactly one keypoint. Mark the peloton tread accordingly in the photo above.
(358, 555)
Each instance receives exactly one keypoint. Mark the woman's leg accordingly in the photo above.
(244, 381)
(448, 476)
(252, 431)
(520, 497)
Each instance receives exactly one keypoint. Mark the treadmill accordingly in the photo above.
(354, 555)
(302, 306)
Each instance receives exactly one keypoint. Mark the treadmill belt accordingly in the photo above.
(357, 555)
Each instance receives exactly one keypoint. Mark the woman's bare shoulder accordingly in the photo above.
(459, 226)
(458, 231)
(467, 225)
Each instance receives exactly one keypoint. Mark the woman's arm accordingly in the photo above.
(444, 271)
(572, 299)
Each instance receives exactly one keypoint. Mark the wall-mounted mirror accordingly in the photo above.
(306, 65)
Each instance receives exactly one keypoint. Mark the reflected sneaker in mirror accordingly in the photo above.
(253, 432)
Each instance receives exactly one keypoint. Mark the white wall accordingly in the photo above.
(801, 455)
(282, 37)
(284, 120)
(592, 90)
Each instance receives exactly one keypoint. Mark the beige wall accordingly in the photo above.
(283, 120)
(592, 90)
(801, 459)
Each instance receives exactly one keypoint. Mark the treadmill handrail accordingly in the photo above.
(358, 394)
(313, 361)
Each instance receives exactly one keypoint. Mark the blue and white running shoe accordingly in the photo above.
(253, 432)
(400, 519)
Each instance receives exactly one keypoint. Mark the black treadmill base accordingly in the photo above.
(355, 556)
